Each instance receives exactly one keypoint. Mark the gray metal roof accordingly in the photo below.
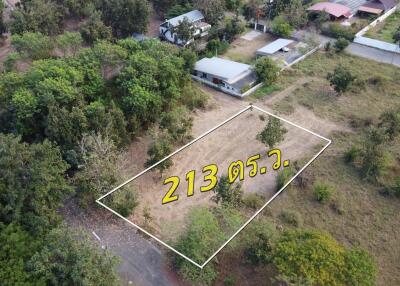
(273, 47)
(224, 69)
(377, 44)
(352, 4)
(192, 16)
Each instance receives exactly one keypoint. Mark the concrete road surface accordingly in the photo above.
(374, 54)
(143, 263)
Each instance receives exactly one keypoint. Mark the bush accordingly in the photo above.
(229, 280)
(259, 242)
(33, 45)
(266, 70)
(124, 202)
(323, 192)
(341, 44)
(351, 155)
(337, 31)
(254, 201)
(281, 27)
(216, 47)
(283, 177)
(291, 217)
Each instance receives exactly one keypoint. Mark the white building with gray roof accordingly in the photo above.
(229, 76)
(195, 17)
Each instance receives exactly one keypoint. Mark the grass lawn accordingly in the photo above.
(385, 30)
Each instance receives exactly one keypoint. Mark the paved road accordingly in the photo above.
(142, 262)
(374, 54)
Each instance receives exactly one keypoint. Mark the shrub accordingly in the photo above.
(291, 217)
(281, 27)
(216, 46)
(33, 45)
(260, 241)
(124, 202)
(351, 155)
(341, 79)
(266, 70)
(229, 280)
(323, 192)
(283, 177)
(337, 31)
(254, 201)
(341, 44)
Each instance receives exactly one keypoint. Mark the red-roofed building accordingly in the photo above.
(376, 7)
(335, 10)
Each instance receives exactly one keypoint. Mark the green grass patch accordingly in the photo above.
(385, 30)
(266, 90)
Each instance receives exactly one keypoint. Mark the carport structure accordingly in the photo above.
(273, 47)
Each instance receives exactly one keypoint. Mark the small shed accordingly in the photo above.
(273, 47)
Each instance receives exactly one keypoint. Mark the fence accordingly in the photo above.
(376, 22)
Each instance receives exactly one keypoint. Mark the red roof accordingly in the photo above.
(333, 9)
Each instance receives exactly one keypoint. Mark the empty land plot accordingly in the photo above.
(244, 51)
(236, 140)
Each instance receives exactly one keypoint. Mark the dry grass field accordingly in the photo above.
(367, 218)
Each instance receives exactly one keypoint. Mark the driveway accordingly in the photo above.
(374, 54)
(142, 263)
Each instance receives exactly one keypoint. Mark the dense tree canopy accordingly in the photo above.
(32, 183)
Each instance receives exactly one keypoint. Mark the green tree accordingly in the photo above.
(202, 237)
(109, 56)
(266, 70)
(227, 193)
(281, 27)
(99, 172)
(273, 133)
(341, 44)
(37, 16)
(190, 59)
(68, 258)
(296, 14)
(178, 9)
(259, 241)
(184, 30)
(125, 16)
(16, 248)
(341, 79)
(310, 256)
(33, 45)
(160, 147)
(213, 9)
(94, 29)
(69, 42)
(179, 124)
(32, 183)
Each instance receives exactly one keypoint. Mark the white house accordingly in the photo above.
(195, 17)
(231, 77)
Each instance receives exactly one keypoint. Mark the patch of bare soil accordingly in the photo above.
(245, 51)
